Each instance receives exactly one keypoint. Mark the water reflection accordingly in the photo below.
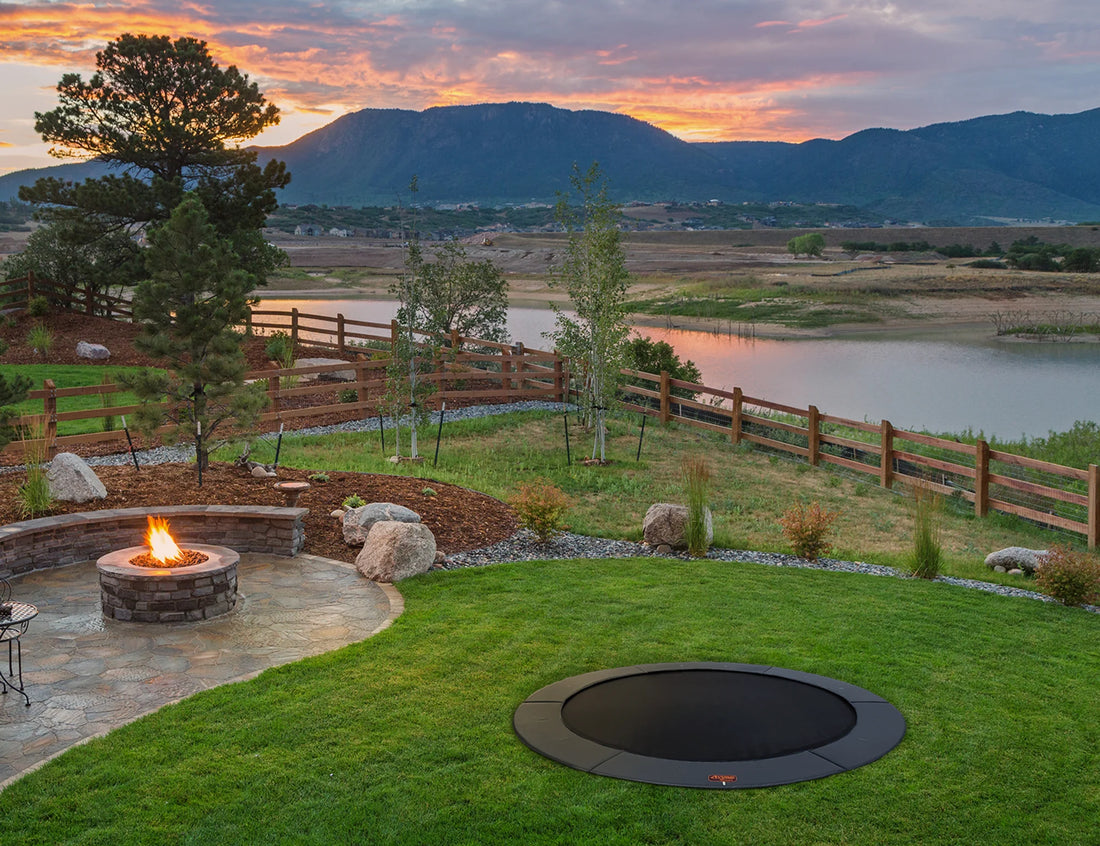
(1002, 389)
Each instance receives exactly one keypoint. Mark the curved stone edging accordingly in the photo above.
(64, 539)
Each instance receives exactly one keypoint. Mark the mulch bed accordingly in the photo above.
(459, 518)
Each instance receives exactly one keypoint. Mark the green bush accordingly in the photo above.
(349, 395)
(1071, 577)
(806, 529)
(354, 501)
(38, 306)
(318, 477)
(280, 349)
(541, 507)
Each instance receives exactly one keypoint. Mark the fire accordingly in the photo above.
(161, 546)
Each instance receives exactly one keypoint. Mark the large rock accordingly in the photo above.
(96, 352)
(358, 521)
(1015, 558)
(332, 376)
(394, 551)
(72, 480)
(664, 525)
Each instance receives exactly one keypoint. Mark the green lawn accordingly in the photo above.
(73, 376)
(406, 737)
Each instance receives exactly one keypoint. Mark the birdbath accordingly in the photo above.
(292, 490)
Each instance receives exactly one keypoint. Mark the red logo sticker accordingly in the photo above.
(722, 778)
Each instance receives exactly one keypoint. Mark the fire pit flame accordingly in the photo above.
(161, 546)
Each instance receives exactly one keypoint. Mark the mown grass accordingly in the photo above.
(73, 376)
(406, 737)
(748, 494)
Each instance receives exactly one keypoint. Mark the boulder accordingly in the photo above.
(664, 525)
(96, 352)
(1015, 558)
(358, 521)
(72, 480)
(394, 551)
(333, 376)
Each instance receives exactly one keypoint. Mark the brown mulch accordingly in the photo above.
(460, 519)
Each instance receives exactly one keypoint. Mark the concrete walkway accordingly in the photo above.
(86, 675)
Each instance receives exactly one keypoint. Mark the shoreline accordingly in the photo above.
(964, 327)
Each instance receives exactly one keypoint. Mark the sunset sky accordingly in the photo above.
(702, 69)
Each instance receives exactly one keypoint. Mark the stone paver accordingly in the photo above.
(86, 674)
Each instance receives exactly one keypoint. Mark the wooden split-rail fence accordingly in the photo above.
(470, 370)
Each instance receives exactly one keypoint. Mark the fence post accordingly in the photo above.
(273, 392)
(1094, 506)
(456, 343)
(505, 369)
(340, 333)
(813, 435)
(735, 417)
(886, 465)
(49, 407)
(361, 381)
(30, 288)
(248, 321)
(981, 479)
(666, 397)
(521, 366)
(294, 326)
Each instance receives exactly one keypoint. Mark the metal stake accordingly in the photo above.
(641, 435)
(279, 445)
(439, 433)
(568, 458)
(130, 441)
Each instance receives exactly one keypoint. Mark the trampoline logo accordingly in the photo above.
(722, 778)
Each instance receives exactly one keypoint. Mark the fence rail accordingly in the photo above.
(475, 370)
(18, 293)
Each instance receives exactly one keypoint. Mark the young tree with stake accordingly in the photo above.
(594, 273)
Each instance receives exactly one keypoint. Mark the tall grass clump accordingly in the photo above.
(1071, 577)
(34, 494)
(40, 339)
(807, 529)
(927, 554)
(697, 532)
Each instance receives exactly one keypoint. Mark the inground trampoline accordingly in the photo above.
(713, 725)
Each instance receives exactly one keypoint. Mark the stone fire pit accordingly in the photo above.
(168, 594)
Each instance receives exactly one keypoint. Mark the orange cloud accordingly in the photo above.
(812, 22)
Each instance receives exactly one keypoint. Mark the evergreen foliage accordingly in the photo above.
(162, 114)
(13, 389)
(190, 311)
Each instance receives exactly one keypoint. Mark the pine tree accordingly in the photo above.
(190, 311)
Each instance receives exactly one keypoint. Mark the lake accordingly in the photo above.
(1001, 388)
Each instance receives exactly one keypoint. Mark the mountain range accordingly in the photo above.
(1017, 166)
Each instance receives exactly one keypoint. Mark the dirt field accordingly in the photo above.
(907, 292)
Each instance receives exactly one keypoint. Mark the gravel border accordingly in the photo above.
(522, 546)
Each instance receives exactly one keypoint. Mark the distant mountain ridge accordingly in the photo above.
(1019, 165)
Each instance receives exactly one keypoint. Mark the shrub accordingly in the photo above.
(540, 507)
(318, 477)
(38, 306)
(280, 349)
(696, 480)
(1071, 577)
(354, 501)
(429, 492)
(927, 555)
(806, 529)
(349, 395)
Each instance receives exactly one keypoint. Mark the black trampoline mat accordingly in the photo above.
(708, 724)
